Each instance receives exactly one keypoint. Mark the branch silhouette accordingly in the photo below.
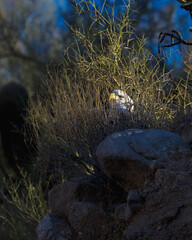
(174, 35)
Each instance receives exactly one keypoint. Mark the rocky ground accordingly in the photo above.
(167, 209)
(162, 210)
(159, 209)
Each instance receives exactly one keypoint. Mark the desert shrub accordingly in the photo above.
(23, 207)
(70, 118)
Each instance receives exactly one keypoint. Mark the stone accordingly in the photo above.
(77, 190)
(134, 203)
(88, 220)
(183, 125)
(53, 227)
(170, 179)
(126, 156)
(161, 211)
(134, 200)
(119, 213)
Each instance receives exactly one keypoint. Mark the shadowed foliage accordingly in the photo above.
(13, 127)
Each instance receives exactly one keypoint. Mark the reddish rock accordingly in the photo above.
(85, 189)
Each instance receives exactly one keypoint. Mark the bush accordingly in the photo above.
(72, 116)
(24, 206)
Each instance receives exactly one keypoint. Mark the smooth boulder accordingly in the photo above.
(127, 156)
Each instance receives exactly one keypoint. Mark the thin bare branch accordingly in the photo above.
(175, 39)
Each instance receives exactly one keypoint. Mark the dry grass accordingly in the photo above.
(24, 205)
(72, 117)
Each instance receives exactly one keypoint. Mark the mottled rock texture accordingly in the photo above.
(160, 209)
(85, 189)
(53, 227)
(127, 156)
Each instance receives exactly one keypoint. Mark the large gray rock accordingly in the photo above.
(53, 227)
(127, 156)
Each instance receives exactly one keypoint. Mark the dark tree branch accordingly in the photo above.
(175, 38)
(188, 8)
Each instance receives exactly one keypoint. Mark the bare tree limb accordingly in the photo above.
(175, 38)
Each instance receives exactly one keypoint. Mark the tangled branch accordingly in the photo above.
(175, 36)
(187, 5)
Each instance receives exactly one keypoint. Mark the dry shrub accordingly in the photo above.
(70, 117)
(24, 206)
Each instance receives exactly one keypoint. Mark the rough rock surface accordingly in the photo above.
(89, 221)
(126, 156)
(53, 227)
(160, 210)
(167, 212)
(85, 189)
